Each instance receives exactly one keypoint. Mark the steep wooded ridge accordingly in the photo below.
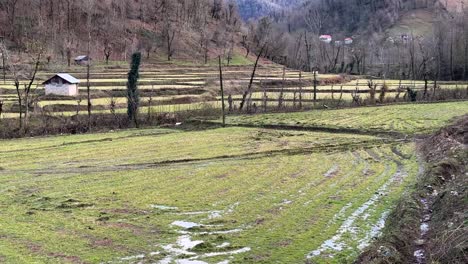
(401, 39)
(190, 29)
(353, 16)
(407, 39)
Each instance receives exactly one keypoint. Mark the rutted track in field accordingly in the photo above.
(357, 229)
(327, 129)
(332, 148)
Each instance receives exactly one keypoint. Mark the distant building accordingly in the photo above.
(326, 38)
(62, 84)
(348, 41)
(82, 60)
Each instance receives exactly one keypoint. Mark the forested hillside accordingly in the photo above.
(417, 39)
(256, 8)
(414, 39)
(113, 29)
(351, 16)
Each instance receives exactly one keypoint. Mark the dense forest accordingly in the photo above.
(112, 29)
(441, 52)
(286, 32)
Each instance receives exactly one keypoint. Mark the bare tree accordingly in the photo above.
(4, 53)
(89, 5)
(24, 93)
(248, 93)
(222, 91)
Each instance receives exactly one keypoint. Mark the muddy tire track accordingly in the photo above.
(314, 128)
(337, 243)
(327, 148)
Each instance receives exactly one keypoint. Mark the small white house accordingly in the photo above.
(326, 38)
(62, 84)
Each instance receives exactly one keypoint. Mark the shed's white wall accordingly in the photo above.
(61, 89)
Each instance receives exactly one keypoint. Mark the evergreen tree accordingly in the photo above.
(133, 97)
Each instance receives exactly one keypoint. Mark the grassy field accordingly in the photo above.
(406, 119)
(220, 195)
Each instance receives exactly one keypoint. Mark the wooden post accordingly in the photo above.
(315, 85)
(300, 89)
(222, 91)
(3, 51)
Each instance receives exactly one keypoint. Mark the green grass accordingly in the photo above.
(406, 118)
(89, 197)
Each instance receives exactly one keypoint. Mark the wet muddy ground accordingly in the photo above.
(221, 195)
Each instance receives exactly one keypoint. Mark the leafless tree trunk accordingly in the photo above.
(4, 53)
(248, 92)
(19, 93)
(222, 91)
(315, 84)
(281, 95)
(107, 52)
(89, 9)
(88, 91)
(27, 88)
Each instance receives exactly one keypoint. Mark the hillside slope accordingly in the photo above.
(257, 8)
(187, 29)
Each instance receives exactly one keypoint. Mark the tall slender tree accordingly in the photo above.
(133, 96)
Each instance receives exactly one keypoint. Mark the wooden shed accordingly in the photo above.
(82, 60)
(62, 84)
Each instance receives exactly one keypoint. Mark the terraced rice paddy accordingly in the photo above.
(171, 84)
(221, 195)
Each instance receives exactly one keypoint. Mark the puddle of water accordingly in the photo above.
(186, 242)
(193, 213)
(223, 245)
(376, 230)
(419, 255)
(184, 224)
(329, 244)
(223, 232)
(164, 207)
(141, 256)
(211, 214)
(335, 243)
(176, 252)
(424, 229)
(227, 253)
(188, 261)
(180, 252)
